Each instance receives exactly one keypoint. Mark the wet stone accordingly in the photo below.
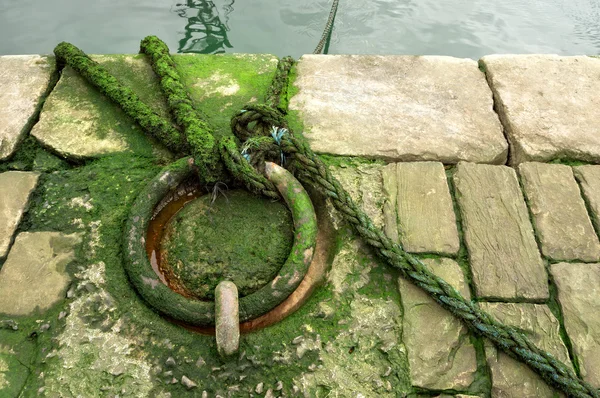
(510, 377)
(578, 294)
(34, 276)
(441, 356)
(548, 104)
(414, 108)
(502, 249)
(238, 237)
(15, 189)
(423, 211)
(227, 325)
(589, 179)
(23, 81)
(564, 228)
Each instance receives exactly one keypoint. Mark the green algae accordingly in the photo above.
(238, 237)
(220, 85)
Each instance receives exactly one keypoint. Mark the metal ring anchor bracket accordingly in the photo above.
(202, 313)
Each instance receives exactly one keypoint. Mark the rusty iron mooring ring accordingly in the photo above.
(202, 313)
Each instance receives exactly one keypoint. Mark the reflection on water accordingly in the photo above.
(207, 25)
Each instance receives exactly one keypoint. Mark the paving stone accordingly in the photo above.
(34, 276)
(425, 216)
(502, 249)
(440, 353)
(23, 80)
(406, 108)
(511, 378)
(561, 219)
(390, 191)
(364, 184)
(15, 190)
(589, 179)
(548, 105)
(578, 294)
(79, 122)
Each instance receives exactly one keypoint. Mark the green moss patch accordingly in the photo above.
(238, 237)
(220, 85)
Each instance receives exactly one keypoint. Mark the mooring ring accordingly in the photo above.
(202, 313)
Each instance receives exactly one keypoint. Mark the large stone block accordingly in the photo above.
(563, 225)
(589, 179)
(404, 108)
(79, 122)
(15, 190)
(548, 104)
(579, 296)
(34, 275)
(512, 378)
(23, 80)
(502, 249)
(423, 208)
(440, 353)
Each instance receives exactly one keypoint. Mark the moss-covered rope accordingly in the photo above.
(128, 101)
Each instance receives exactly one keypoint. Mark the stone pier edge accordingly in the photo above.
(461, 257)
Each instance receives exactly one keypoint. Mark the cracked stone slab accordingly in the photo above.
(15, 189)
(23, 81)
(364, 184)
(502, 249)
(589, 179)
(399, 108)
(578, 294)
(511, 378)
(424, 214)
(441, 356)
(561, 219)
(34, 276)
(548, 105)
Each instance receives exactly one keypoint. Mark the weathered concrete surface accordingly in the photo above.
(579, 296)
(15, 190)
(548, 105)
(227, 318)
(425, 216)
(440, 353)
(390, 191)
(561, 219)
(398, 108)
(589, 179)
(502, 249)
(514, 379)
(34, 274)
(23, 80)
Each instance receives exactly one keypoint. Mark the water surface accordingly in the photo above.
(461, 28)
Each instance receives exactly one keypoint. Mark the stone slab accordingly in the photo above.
(406, 108)
(511, 378)
(548, 105)
(579, 296)
(34, 276)
(78, 122)
(440, 353)
(15, 189)
(23, 81)
(561, 219)
(589, 179)
(502, 249)
(425, 215)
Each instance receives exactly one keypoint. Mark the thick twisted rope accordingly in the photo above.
(326, 36)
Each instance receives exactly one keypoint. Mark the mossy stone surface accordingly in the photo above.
(238, 237)
(220, 85)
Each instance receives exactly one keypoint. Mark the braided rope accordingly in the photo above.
(328, 28)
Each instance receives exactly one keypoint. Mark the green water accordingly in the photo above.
(462, 28)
